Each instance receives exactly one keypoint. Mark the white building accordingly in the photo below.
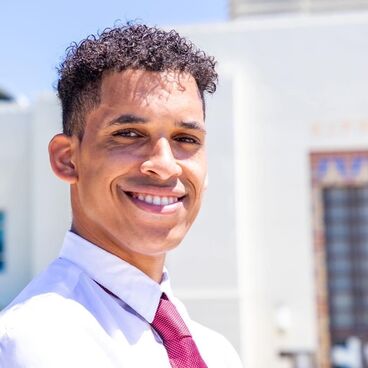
(34, 205)
(242, 8)
(281, 235)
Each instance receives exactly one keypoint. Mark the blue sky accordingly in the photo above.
(35, 34)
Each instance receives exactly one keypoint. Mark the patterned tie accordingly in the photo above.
(179, 344)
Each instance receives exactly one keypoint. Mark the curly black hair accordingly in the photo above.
(132, 46)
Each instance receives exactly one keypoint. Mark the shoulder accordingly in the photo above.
(42, 304)
(44, 300)
(215, 348)
(37, 325)
(37, 333)
(60, 277)
(25, 327)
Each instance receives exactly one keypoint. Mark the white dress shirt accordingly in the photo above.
(66, 319)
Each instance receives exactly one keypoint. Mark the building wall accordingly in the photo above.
(243, 8)
(301, 88)
(50, 207)
(15, 189)
(35, 203)
(204, 266)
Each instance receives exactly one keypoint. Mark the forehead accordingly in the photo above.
(159, 98)
(143, 87)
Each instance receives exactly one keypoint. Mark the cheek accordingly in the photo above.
(197, 174)
(105, 166)
(198, 169)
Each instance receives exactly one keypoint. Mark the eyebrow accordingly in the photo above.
(128, 119)
(191, 125)
(134, 119)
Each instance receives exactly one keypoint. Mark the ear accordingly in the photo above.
(61, 149)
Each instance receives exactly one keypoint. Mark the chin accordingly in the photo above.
(160, 244)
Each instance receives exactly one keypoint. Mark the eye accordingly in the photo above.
(188, 139)
(127, 133)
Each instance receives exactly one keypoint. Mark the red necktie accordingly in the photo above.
(179, 344)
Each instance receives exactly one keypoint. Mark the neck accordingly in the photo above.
(151, 265)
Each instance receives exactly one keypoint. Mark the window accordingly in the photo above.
(346, 220)
(340, 227)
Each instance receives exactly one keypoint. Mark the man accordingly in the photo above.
(133, 152)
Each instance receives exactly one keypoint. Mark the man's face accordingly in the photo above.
(141, 165)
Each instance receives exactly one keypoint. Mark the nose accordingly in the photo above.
(161, 162)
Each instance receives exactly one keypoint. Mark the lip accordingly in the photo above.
(157, 209)
(153, 208)
(156, 191)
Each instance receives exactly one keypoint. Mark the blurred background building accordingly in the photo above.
(280, 248)
(242, 8)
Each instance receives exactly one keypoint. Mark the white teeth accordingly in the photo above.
(156, 200)
(148, 199)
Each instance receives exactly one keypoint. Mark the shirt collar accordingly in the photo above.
(127, 282)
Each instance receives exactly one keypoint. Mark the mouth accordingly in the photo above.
(156, 203)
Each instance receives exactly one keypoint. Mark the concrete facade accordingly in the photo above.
(298, 86)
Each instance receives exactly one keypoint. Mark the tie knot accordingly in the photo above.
(168, 322)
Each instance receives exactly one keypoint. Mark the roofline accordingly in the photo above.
(277, 21)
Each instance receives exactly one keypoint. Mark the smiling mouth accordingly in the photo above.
(155, 199)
